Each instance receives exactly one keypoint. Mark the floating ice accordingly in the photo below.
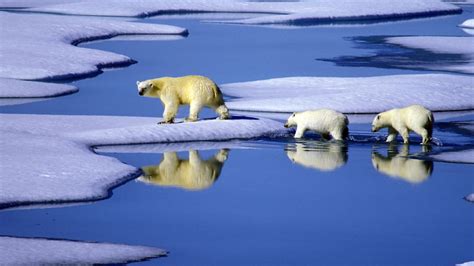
(437, 92)
(461, 156)
(470, 198)
(463, 46)
(47, 159)
(12, 88)
(39, 47)
(468, 24)
(41, 251)
(316, 11)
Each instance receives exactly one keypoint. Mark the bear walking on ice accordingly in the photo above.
(326, 122)
(197, 91)
(401, 121)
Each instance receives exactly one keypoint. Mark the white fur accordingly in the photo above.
(401, 121)
(323, 121)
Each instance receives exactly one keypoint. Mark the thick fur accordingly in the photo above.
(196, 91)
(191, 174)
(326, 122)
(326, 156)
(401, 166)
(401, 121)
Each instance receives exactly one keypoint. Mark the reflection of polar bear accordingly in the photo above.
(327, 156)
(197, 91)
(323, 121)
(399, 165)
(401, 121)
(191, 174)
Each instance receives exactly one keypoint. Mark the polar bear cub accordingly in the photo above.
(401, 121)
(197, 91)
(323, 121)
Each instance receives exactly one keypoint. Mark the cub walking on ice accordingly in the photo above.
(401, 121)
(326, 122)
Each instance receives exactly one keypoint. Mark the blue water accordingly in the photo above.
(265, 209)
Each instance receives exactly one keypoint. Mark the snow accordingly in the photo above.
(462, 156)
(470, 198)
(47, 159)
(316, 11)
(469, 263)
(38, 47)
(11, 88)
(41, 251)
(438, 92)
(468, 24)
(442, 45)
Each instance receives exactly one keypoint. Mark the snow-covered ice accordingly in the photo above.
(470, 198)
(41, 47)
(12, 88)
(441, 45)
(438, 92)
(468, 26)
(42, 251)
(461, 156)
(47, 159)
(315, 11)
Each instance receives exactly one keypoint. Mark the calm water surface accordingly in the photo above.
(279, 202)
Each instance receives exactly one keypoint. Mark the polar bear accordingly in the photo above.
(322, 156)
(399, 165)
(197, 91)
(401, 121)
(323, 121)
(191, 174)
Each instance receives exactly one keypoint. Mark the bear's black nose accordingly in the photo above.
(140, 92)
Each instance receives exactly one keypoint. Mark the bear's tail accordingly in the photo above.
(345, 133)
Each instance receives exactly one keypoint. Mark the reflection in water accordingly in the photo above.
(191, 174)
(397, 164)
(320, 155)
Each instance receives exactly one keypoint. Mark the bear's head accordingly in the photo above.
(143, 87)
(291, 122)
(378, 123)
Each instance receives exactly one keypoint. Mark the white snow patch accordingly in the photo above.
(47, 158)
(438, 92)
(468, 24)
(470, 198)
(276, 12)
(443, 45)
(40, 251)
(38, 47)
(469, 263)
(11, 88)
(462, 156)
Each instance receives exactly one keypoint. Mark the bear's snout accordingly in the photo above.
(140, 93)
(286, 125)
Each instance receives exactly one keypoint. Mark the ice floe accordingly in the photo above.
(470, 198)
(12, 88)
(468, 26)
(463, 46)
(461, 156)
(42, 47)
(41, 251)
(437, 92)
(316, 11)
(47, 159)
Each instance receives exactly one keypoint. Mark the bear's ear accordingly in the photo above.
(138, 82)
(378, 117)
(293, 114)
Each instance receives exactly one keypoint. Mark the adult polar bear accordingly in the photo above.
(197, 91)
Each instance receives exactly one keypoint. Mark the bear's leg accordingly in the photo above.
(392, 134)
(194, 110)
(223, 112)
(424, 134)
(299, 132)
(169, 114)
(405, 135)
(222, 155)
(338, 134)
